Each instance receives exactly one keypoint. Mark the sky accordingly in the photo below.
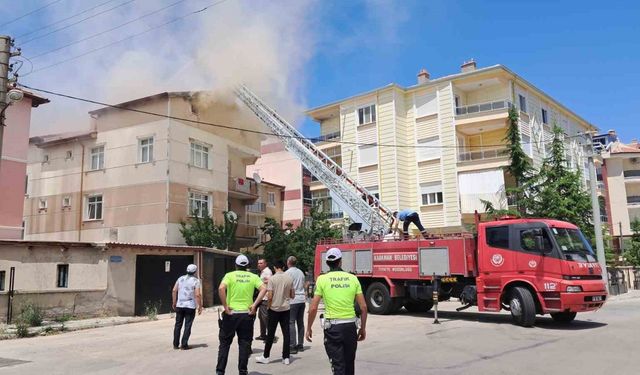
(302, 54)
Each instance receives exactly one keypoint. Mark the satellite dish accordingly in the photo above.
(257, 178)
(232, 215)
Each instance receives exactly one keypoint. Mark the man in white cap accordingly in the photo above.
(236, 294)
(187, 297)
(339, 289)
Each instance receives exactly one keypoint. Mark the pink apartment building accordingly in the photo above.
(13, 164)
(279, 166)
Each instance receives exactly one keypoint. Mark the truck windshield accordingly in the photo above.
(573, 245)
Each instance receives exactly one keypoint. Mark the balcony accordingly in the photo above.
(633, 200)
(469, 155)
(326, 138)
(482, 108)
(247, 231)
(243, 188)
(632, 175)
(257, 208)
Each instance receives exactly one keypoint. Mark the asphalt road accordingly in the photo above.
(604, 342)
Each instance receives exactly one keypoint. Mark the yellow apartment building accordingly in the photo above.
(134, 177)
(458, 123)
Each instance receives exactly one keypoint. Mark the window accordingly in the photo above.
(367, 115)
(528, 239)
(42, 204)
(199, 155)
(45, 158)
(523, 103)
(526, 143)
(426, 104)
(26, 184)
(498, 237)
(69, 154)
(145, 147)
(431, 193)
(198, 204)
(63, 276)
(428, 148)
(545, 116)
(94, 207)
(66, 202)
(272, 199)
(2, 275)
(368, 155)
(97, 158)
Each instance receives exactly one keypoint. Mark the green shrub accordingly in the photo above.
(63, 318)
(22, 329)
(31, 315)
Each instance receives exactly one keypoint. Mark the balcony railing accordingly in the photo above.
(243, 185)
(482, 154)
(326, 137)
(483, 107)
(633, 200)
(632, 174)
(335, 215)
(257, 207)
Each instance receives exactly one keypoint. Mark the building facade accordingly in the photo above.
(620, 175)
(438, 147)
(13, 164)
(136, 176)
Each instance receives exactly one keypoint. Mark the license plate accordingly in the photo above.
(596, 298)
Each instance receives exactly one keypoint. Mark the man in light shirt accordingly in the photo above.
(297, 306)
(263, 311)
(187, 297)
(279, 294)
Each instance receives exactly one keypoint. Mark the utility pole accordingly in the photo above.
(595, 205)
(5, 54)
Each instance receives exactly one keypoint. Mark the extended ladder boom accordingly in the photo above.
(358, 201)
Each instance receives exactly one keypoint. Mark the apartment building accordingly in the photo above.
(279, 166)
(134, 177)
(458, 123)
(620, 175)
(13, 163)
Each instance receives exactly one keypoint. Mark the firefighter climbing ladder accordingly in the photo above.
(352, 197)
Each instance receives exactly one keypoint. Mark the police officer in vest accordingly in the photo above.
(339, 289)
(236, 294)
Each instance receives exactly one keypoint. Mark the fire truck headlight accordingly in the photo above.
(574, 289)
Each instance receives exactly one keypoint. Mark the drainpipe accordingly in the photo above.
(81, 194)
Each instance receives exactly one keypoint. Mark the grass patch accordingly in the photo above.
(63, 318)
(22, 329)
(151, 309)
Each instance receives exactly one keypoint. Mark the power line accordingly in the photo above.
(121, 107)
(30, 13)
(108, 30)
(75, 23)
(130, 37)
(64, 19)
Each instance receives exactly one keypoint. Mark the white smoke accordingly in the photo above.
(265, 45)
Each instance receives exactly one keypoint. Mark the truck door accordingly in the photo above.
(495, 258)
(537, 265)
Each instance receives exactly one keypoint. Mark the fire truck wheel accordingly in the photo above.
(418, 306)
(379, 299)
(523, 308)
(563, 317)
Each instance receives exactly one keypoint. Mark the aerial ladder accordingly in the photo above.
(361, 206)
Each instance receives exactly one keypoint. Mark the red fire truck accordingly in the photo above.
(525, 266)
